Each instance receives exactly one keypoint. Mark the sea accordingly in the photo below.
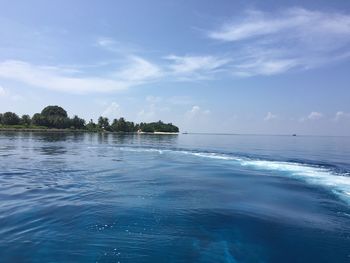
(103, 197)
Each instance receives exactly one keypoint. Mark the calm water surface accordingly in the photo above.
(185, 198)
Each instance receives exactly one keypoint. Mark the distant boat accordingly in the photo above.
(185, 132)
(294, 134)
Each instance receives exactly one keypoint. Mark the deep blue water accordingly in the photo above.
(185, 198)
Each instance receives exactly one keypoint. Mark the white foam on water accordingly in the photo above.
(337, 183)
(212, 155)
(315, 175)
(131, 149)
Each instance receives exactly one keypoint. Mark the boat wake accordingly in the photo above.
(337, 182)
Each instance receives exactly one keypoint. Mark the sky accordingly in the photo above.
(255, 67)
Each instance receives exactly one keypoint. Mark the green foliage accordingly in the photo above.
(58, 122)
(122, 126)
(92, 127)
(54, 111)
(77, 122)
(25, 120)
(103, 123)
(10, 118)
(146, 127)
(53, 117)
(56, 117)
(22, 127)
(39, 120)
(158, 127)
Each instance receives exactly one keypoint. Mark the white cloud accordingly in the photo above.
(153, 99)
(261, 43)
(270, 116)
(197, 119)
(5, 94)
(275, 42)
(340, 115)
(180, 100)
(106, 42)
(301, 21)
(154, 109)
(315, 115)
(196, 112)
(195, 66)
(136, 72)
(139, 70)
(263, 66)
(173, 100)
(149, 113)
(113, 111)
(112, 45)
(2, 92)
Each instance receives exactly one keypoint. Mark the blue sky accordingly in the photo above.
(208, 66)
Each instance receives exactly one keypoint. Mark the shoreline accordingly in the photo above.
(76, 131)
(164, 133)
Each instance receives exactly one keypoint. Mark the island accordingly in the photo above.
(55, 118)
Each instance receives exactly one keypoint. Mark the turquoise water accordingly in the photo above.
(185, 198)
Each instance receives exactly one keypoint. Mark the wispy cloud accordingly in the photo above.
(263, 66)
(271, 43)
(260, 43)
(106, 42)
(300, 21)
(136, 71)
(115, 46)
(197, 67)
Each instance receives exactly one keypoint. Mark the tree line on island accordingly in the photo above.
(55, 117)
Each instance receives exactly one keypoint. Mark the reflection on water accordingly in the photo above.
(80, 197)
